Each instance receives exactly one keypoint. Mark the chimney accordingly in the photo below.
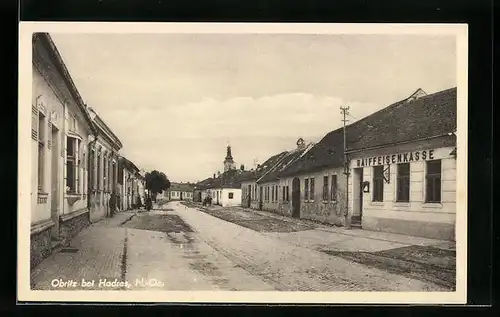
(242, 167)
(214, 175)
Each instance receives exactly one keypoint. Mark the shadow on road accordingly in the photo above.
(158, 222)
(424, 263)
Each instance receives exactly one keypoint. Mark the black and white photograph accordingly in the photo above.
(285, 163)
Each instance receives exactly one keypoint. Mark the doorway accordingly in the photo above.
(54, 184)
(260, 197)
(249, 195)
(296, 198)
(181, 195)
(357, 211)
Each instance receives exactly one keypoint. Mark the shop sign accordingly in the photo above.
(415, 156)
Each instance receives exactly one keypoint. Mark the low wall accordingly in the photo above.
(426, 229)
(40, 242)
(71, 224)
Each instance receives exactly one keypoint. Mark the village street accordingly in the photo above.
(184, 247)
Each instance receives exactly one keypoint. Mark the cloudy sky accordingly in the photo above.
(176, 101)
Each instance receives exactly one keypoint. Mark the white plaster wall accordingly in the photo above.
(54, 112)
(235, 201)
(416, 208)
(83, 130)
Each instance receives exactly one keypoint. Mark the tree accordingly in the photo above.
(156, 183)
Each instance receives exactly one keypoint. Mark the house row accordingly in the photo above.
(178, 191)
(225, 189)
(78, 176)
(396, 174)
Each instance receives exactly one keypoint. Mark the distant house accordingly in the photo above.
(131, 194)
(180, 191)
(226, 189)
(202, 189)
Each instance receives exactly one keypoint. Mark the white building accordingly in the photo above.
(104, 164)
(180, 191)
(132, 185)
(403, 170)
(61, 127)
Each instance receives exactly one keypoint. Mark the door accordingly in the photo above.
(181, 195)
(54, 184)
(260, 197)
(296, 198)
(358, 197)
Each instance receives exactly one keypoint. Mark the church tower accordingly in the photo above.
(229, 162)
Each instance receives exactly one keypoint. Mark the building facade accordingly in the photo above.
(403, 173)
(61, 130)
(275, 190)
(104, 166)
(131, 183)
(180, 191)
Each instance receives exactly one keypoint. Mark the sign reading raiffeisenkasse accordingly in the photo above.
(408, 157)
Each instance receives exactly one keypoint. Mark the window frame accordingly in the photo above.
(230, 195)
(434, 177)
(403, 183)
(378, 184)
(72, 185)
(333, 188)
(306, 189)
(326, 180)
(41, 151)
(312, 189)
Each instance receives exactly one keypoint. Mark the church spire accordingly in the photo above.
(228, 155)
(229, 162)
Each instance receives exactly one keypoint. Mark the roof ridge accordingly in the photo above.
(283, 155)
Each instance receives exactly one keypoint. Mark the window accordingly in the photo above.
(272, 193)
(284, 194)
(99, 173)
(378, 183)
(230, 195)
(333, 189)
(105, 173)
(311, 195)
(403, 183)
(287, 197)
(433, 182)
(41, 151)
(276, 194)
(306, 189)
(72, 164)
(325, 188)
(91, 168)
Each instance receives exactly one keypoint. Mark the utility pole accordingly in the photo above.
(345, 111)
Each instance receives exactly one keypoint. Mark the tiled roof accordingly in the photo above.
(229, 179)
(129, 164)
(428, 116)
(328, 151)
(233, 178)
(406, 120)
(204, 184)
(286, 160)
(182, 187)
